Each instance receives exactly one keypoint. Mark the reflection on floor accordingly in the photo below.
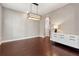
(62, 50)
(37, 47)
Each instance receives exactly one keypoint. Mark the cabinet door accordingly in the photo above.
(63, 39)
(54, 37)
(73, 41)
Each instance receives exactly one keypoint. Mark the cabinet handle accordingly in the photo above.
(72, 39)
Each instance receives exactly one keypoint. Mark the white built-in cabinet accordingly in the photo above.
(66, 39)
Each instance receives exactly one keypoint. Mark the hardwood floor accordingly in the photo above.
(0, 49)
(36, 47)
(62, 50)
(29, 47)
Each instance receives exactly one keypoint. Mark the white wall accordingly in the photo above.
(42, 27)
(68, 27)
(67, 17)
(16, 26)
(0, 23)
(71, 26)
(76, 6)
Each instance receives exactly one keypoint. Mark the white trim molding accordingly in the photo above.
(24, 38)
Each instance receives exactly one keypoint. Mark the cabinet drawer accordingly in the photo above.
(73, 41)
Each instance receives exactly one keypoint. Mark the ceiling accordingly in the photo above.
(43, 8)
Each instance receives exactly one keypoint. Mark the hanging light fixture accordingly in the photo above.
(34, 16)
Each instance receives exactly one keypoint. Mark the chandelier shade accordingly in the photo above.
(34, 16)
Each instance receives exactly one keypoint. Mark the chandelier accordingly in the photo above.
(32, 15)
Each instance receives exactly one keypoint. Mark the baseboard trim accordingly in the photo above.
(24, 38)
